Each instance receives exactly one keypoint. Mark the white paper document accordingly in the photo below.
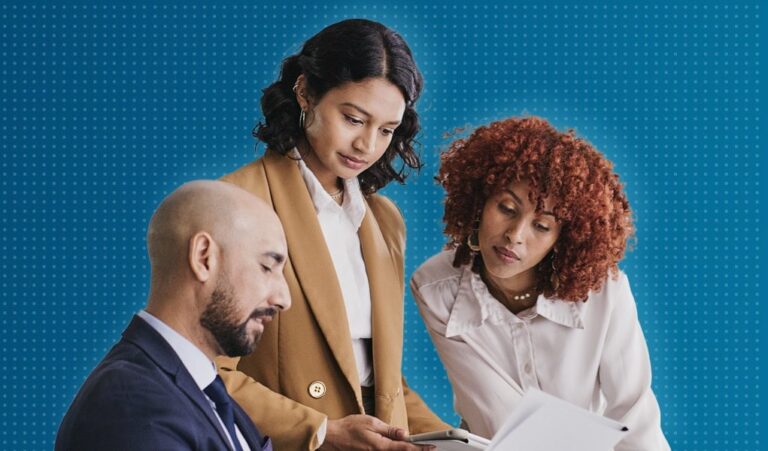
(541, 422)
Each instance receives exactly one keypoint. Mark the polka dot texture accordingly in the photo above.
(105, 109)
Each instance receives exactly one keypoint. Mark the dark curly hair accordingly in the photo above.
(590, 204)
(347, 51)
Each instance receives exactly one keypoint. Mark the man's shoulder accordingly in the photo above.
(125, 395)
(127, 374)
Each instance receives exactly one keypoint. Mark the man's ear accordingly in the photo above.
(202, 256)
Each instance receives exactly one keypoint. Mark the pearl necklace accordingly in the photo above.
(520, 297)
(523, 300)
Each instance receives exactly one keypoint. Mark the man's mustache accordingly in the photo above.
(262, 312)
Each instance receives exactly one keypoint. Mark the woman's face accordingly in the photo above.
(514, 238)
(350, 128)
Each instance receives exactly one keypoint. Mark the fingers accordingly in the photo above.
(405, 446)
(394, 436)
(384, 437)
(395, 433)
(376, 425)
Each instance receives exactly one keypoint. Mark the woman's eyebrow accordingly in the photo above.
(517, 199)
(367, 114)
(514, 196)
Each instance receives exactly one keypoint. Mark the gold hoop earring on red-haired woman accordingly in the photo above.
(554, 279)
(474, 246)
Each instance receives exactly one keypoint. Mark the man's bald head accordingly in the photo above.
(217, 255)
(220, 209)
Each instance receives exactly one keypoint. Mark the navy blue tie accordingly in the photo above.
(218, 394)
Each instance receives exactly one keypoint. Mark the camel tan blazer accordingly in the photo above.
(304, 368)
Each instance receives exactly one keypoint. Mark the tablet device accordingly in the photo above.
(451, 440)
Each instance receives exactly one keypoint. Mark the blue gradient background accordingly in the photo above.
(105, 109)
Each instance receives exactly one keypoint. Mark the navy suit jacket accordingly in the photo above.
(141, 397)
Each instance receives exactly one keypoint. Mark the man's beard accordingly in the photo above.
(219, 318)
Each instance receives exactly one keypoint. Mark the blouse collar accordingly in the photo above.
(353, 205)
(474, 306)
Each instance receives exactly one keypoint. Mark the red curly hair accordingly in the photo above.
(590, 204)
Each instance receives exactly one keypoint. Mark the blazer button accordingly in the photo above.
(316, 389)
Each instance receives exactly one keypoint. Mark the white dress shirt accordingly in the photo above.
(203, 370)
(591, 354)
(340, 225)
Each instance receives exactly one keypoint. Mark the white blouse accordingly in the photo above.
(591, 354)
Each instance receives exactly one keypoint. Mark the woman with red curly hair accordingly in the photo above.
(528, 293)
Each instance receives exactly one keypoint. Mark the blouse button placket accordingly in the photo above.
(525, 364)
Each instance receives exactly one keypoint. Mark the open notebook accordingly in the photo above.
(541, 422)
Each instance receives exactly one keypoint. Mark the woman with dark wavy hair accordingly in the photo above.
(339, 124)
(528, 293)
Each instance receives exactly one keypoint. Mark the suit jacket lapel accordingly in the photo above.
(387, 314)
(190, 388)
(310, 259)
(247, 428)
(147, 338)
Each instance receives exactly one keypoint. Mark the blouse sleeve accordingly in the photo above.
(625, 373)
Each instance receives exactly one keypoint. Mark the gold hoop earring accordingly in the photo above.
(474, 247)
(554, 279)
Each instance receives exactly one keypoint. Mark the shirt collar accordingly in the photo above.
(203, 371)
(474, 305)
(353, 205)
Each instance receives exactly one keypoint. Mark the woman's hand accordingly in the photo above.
(364, 432)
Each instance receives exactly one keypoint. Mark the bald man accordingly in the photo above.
(217, 255)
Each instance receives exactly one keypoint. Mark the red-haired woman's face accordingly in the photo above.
(514, 237)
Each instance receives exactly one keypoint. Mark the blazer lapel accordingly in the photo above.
(147, 338)
(386, 312)
(310, 259)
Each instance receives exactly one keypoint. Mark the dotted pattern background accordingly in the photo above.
(105, 109)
